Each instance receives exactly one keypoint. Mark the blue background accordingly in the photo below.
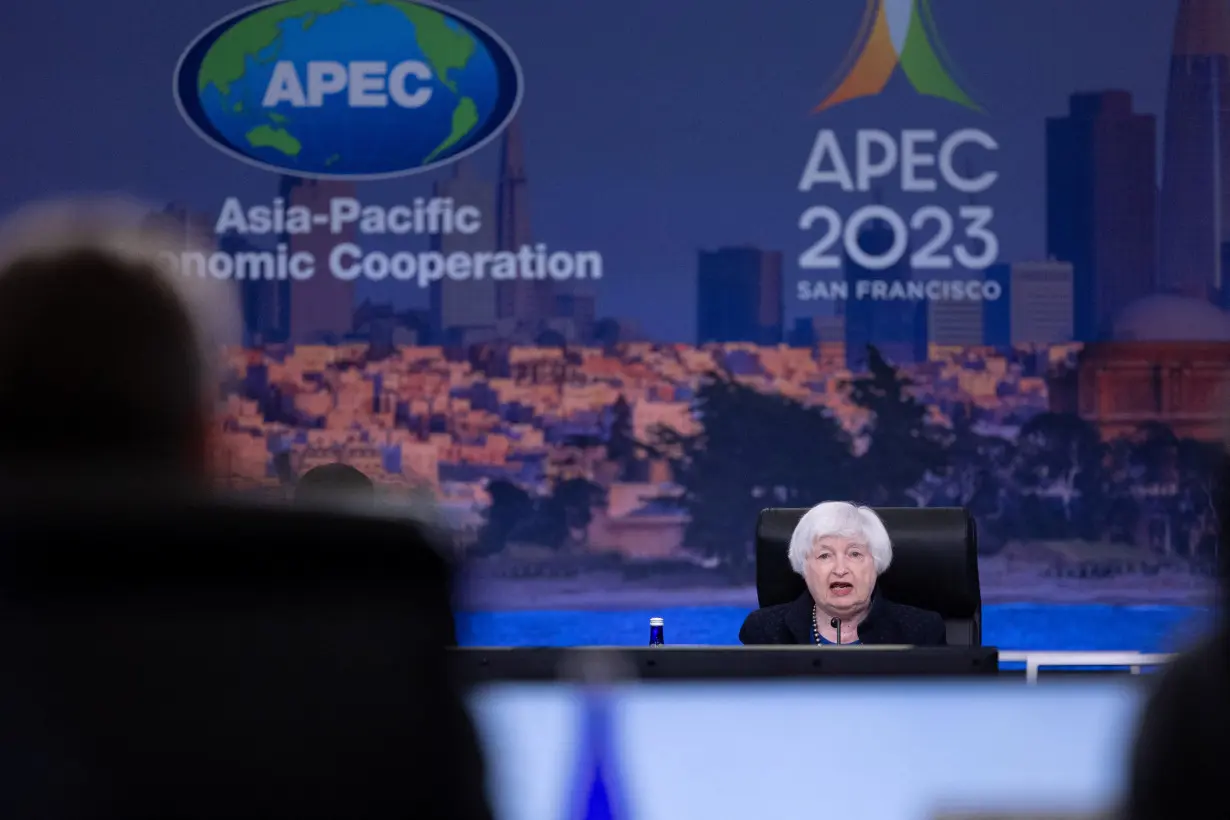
(650, 132)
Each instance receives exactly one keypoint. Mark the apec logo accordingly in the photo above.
(348, 89)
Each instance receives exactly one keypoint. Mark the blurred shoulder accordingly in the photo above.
(1183, 737)
(766, 625)
(1192, 686)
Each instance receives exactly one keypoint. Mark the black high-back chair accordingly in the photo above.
(170, 657)
(935, 564)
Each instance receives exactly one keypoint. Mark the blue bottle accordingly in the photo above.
(656, 636)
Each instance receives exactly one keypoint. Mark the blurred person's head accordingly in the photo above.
(334, 484)
(107, 354)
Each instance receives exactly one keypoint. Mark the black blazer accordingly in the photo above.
(886, 623)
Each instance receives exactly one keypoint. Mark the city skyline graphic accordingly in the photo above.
(1118, 255)
(685, 189)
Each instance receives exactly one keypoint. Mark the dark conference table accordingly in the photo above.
(492, 664)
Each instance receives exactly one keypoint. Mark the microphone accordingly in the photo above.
(836, 624)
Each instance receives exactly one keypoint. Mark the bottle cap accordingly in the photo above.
(656, 622)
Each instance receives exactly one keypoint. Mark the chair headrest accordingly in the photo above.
(935, 559)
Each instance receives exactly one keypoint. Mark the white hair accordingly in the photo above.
(840, 518)
(131, 232)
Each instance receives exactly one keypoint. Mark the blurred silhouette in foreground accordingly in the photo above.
(168, 653)
(333, 484)
(209, 660)
(1183, 743)
(108, 358)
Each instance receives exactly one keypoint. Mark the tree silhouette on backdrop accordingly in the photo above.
(1201, 473)
(976, 477)
(558, 520)
(510, 505)
(903, 446)
(564, 515)
(620, 445)
(1054, 479)
(1059, 474)
(756, 450)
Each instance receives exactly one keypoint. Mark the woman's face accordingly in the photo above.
(840, 574)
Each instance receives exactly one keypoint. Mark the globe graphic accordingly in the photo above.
(334, 138)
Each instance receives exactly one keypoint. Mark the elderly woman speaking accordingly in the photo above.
(840, 550)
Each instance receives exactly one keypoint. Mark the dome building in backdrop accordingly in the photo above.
(1167, 360)
(1164, 317)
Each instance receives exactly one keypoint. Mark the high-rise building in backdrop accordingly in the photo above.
(739, 296)
(997, 313)
(1224, 300)
(264, 304)
(1195, 205)
(1042, 303)
(819, 329)
(897, 327)
(956, 322)
(1101, 205)
(463, 312)
(321, 308)
(527, 301)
